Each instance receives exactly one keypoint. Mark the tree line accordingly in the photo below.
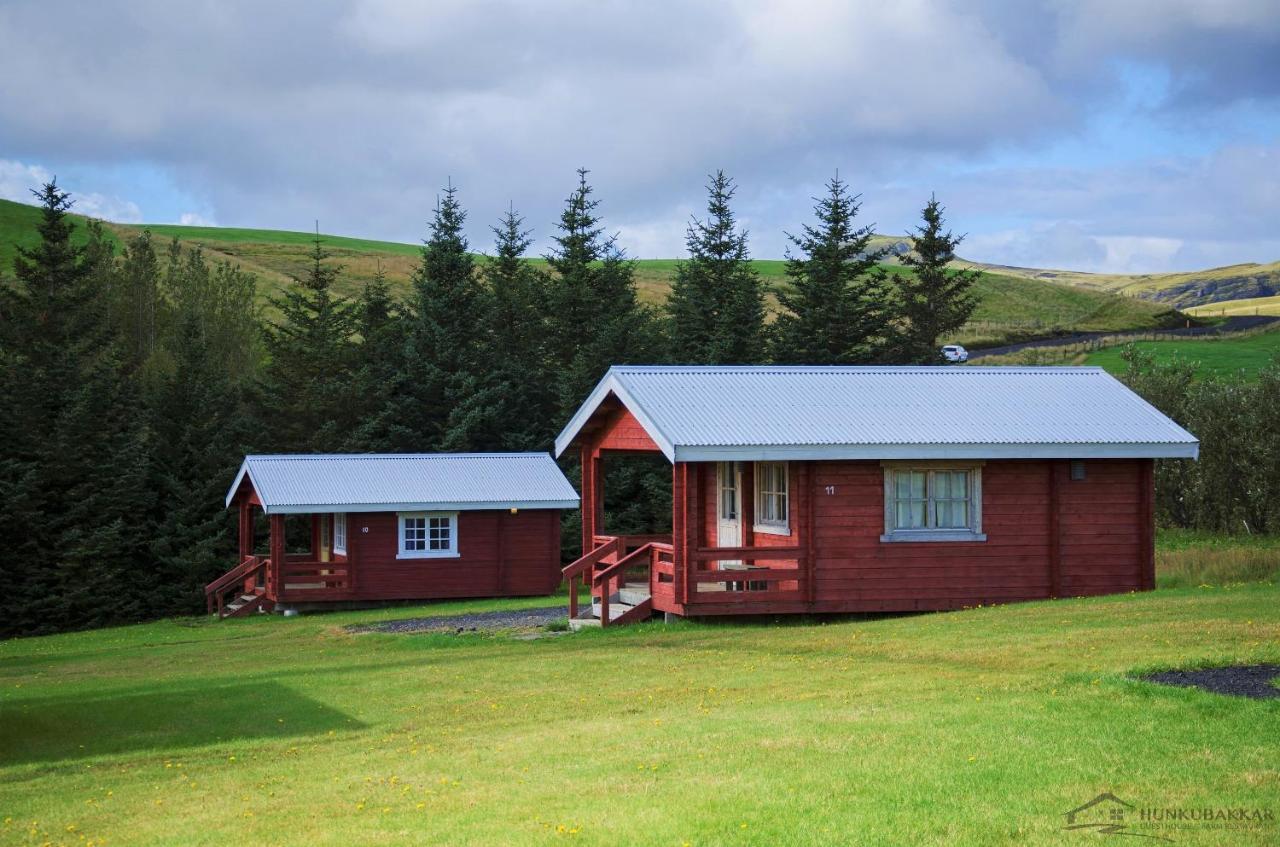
(133, 384)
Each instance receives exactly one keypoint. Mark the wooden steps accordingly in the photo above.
(244, 604)
(629, 604)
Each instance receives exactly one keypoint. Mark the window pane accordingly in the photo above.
(961, 512)
(942, 517)
(917, 485)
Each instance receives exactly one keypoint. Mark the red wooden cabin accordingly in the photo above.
(852, 489)
(395, 527)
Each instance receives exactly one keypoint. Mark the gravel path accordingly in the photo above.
(476, 622)
(1242, 680)
(1236, 323)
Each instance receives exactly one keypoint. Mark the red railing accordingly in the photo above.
(235, 580)
(745, 582)
(606, 545)
(301, 580)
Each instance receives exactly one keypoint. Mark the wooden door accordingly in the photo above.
(729, 507)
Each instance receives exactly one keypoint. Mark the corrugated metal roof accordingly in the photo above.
(703, 413)
(405, 482)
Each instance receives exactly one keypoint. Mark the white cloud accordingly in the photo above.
(195, 219)
(18, 180)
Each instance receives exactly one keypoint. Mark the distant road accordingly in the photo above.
(1232, 324)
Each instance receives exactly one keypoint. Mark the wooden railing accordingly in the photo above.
(746, 583)
(234, 580)
(301, 580)
(614, 576)
(606, 545)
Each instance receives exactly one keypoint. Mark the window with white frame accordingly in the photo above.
(771, 498)
(932, 502)
(340, 533)
(428, 535)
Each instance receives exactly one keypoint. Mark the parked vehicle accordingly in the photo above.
(955, 353)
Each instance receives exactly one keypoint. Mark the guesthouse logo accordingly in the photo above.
(1107, 814)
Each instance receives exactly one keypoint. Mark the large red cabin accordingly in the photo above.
(394, 527)
(857, 489)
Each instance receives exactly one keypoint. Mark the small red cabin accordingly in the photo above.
(394, 527)
(861, 489)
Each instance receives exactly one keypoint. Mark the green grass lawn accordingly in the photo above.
(974, 727)
(1247, 354)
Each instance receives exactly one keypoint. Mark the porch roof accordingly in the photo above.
(402, 482)
(807, 412)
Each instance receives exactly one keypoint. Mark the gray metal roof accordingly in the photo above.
(402, 482)
(743, 413)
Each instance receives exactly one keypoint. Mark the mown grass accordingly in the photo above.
(976, 727)
(1242, 354)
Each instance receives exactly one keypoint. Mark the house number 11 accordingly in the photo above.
(831, 489)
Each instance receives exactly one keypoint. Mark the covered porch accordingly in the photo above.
(265, 579)
(722, 556)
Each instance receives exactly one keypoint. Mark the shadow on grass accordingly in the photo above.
(50, 729)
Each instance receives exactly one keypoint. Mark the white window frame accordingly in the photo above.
(777, 526)
(973, 532)
(450, 553)
(340, 533)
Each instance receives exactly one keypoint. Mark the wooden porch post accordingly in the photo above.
(588, 507)
(315, 538)
(679, 531)
(277, 556)
(246, 529)
(748, 504)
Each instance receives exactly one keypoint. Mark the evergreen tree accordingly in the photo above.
(716, 303)
(596, 319)
(203, 431)
(447, 400)
(379, 364)
(76, 499)
(935, 300)
(136, 304)
(518, 328)
(308, 380)
(837, 311)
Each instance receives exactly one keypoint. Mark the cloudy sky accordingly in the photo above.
(1111, 135)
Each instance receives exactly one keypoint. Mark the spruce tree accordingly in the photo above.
(76, 498)
(596, 319)
(518, 332)
(308, 379)
(379, 363)
(446, 400)
(717, 303)
(935, 300)
(837, 311)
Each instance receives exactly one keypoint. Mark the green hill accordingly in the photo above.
(1181, 290)
(1010, 306)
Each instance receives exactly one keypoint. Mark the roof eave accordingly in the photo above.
(469, 506)
(610, 383)
(803, 452)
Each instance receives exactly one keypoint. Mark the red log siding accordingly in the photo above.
(623, 432)
(500, 554)
(1098, 542)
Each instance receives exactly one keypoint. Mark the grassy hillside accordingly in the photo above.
(1010, 307)
(1245, 354)
(18, 223)
(1183, 289)
(973, 727)
(1228, 308)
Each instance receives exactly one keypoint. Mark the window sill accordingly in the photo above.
(772, 529)
(932, 535)
(434, 554)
